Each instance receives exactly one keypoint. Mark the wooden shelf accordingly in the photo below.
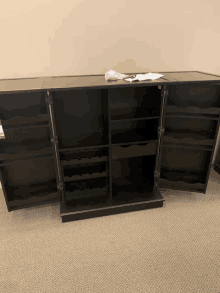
(31, 193)
(18, 152)
(135, 119)
(188, 138)
(212, 113)
(25, 121)
(34, 201)
(181, 185)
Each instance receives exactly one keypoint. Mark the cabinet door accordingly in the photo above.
(25, 126)
(27, 159)
(191, 127)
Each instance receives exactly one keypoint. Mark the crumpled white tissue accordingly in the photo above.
(113, 75)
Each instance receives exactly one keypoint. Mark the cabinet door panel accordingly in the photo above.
(29, 182)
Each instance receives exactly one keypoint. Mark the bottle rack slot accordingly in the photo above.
(85, 172)
(85, 176)
(84, 156)
(84, 161)
(85, 187)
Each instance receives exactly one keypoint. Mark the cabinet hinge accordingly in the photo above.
(165, 92)
(49, 100)
(54, 139)
(60, 186)
(160, 130)
(156, 174)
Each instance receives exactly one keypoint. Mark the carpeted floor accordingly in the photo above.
(171, 249)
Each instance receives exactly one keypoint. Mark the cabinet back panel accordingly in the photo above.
(22, 105)
(137, 171)
(126, 103)
(81, 117)
(199, 95)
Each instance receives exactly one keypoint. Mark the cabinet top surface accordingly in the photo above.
(98, 81)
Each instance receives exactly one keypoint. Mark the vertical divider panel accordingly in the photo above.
(164, 95)
(4, 190)
(110, 146)
(213, 151)
(54, 140)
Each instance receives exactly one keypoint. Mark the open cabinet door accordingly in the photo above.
(190, 133)
(28, 173)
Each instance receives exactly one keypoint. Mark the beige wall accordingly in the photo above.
(45, 37)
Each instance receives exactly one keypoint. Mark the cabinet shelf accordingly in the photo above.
(28, 193)
(210, 113)
(20, 122)
(135, 119)
(19, 152)
(70, 150)
(39, 199)
(86, 186)
(188, 138)
(189, 128)
(181, 185)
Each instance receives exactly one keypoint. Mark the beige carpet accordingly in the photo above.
(171, 249)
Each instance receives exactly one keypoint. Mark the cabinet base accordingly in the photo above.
(68, 216)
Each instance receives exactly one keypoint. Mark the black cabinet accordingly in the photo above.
(102, 148)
